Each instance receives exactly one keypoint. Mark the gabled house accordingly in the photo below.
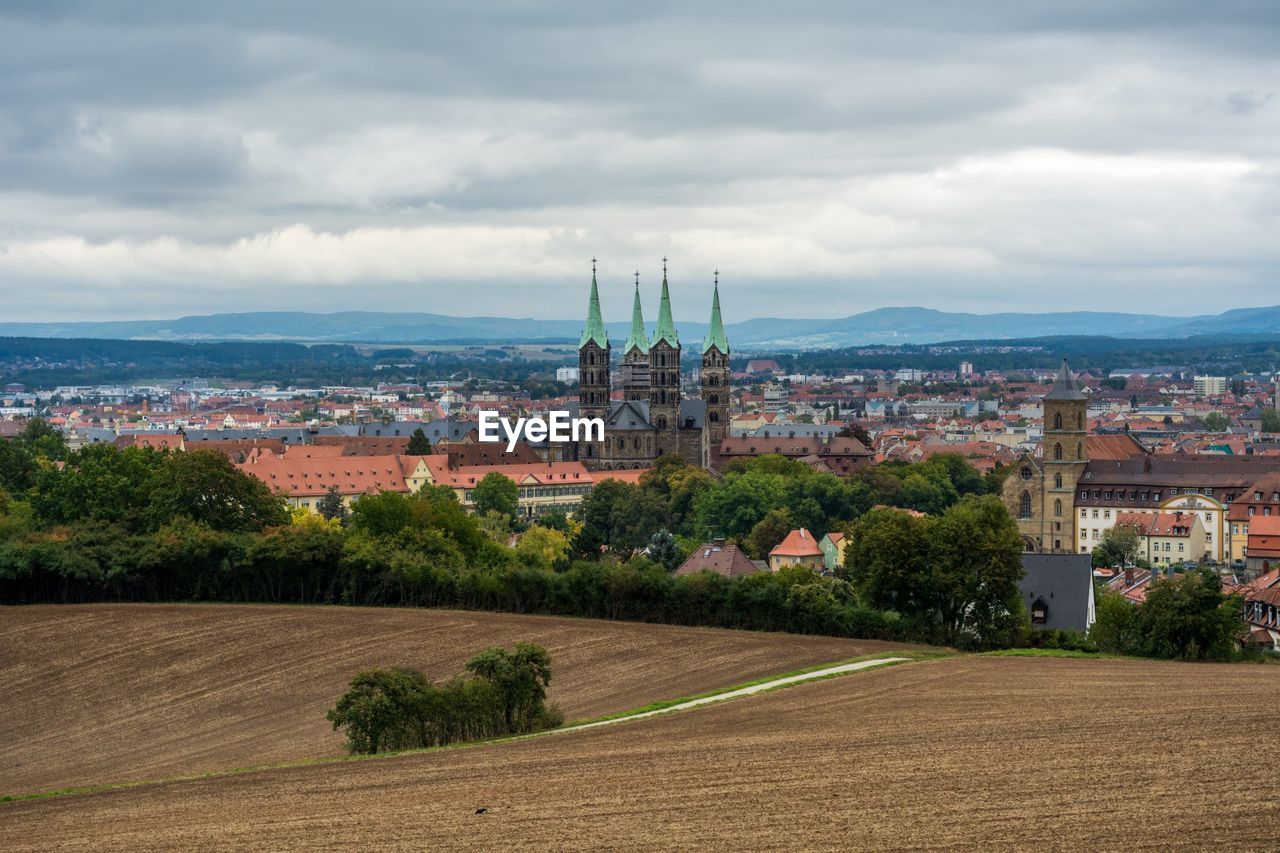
(798, 549)
(833, 545)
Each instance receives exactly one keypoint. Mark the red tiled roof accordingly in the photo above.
(799, 543)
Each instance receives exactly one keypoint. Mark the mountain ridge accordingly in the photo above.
(890, 325)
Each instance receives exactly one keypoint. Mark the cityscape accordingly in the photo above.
(576, 427)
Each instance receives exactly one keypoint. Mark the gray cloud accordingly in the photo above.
(161, 158)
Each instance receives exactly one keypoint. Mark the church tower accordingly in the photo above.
(1040, 494)
(593, 370)
(664, 375)
(635, 355)
(715, 374)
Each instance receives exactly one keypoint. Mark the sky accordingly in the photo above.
(167, 158)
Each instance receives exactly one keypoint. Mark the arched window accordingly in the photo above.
(713, 400)
(1079, 450)
(1024, 505)
(1079, 420)
(1057, 507)
(1057, 451)
(1057, 421)
(714, 417)
(1057, 481)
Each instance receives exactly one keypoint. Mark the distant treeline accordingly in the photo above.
(1219, 355)
(91, 361)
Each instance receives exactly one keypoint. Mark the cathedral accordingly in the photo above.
(653, 417)
(1040, 492)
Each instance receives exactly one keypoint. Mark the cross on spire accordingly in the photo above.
(664, 266)
(593, 265)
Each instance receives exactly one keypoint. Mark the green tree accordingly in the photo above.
(498, 493)
(544, 547)
(1270, 420)
(419, 444)
(1115, 629)
(596, 512)
(1188, 617)
(1216, 422)
(887, 561)
(43, 440)
(664, 551)
(206, 487)
(768, 532)
(1119, 546)
(975, 564)
(332, 506)
(99, 481)
(522, 675)
(377, 709)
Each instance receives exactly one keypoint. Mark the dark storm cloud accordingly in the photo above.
(163, 157)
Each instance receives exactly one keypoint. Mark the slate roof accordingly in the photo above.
(1065, 583)
(727, 560)
(1065, 386)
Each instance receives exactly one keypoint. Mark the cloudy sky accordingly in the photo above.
(167, 158)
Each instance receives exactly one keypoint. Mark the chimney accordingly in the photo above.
(1128, 576)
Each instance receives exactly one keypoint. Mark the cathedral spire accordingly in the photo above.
(666, 330)
(637, 339)
(594, 330)
(715, 332)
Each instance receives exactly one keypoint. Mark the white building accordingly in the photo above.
(1210, 386)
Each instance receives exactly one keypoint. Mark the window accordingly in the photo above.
(1057, 507)
(1025, 473)
(1057, 421)
(1024, 505)
(1039, 612)
(1057, 451)
(1057, 481)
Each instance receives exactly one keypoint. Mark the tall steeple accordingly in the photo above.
(666, 330)
(594, 330)
(635, 356)
(715, 332)
(1065, 386)
(715, 380)
(638, 339)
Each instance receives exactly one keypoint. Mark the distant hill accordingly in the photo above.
(881, 326)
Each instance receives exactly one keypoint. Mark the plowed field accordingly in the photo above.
(986, 753)
(111, 693)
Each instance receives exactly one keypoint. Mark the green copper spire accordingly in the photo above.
(595, 324)
(637, 338)
(666, 330)
(715, 333)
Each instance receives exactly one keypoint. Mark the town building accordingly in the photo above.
(799, 548)
(1167, 538)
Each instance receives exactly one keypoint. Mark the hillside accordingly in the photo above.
(110, 693)
(966, 752)
(897, 325)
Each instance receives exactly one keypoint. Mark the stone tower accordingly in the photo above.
(635, 355)
(593, 370)
(1040, 495)
(715, 374)
(664, 374)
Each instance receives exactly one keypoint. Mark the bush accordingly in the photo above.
(393, 709)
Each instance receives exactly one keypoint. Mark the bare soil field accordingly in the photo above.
(95, 694)
(973, 752)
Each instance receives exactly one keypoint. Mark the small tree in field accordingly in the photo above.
(664, 551)
(522, 675)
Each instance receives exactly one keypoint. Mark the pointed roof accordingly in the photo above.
(666, 330)
(637, 338)
(1065, 386)
(594, 330)
(715, 333)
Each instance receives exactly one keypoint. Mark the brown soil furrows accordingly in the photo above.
(972, 752)
(98, 694)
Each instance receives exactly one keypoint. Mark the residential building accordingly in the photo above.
(1167, 538)
(727, 560)
(798, 549)
(833, 547)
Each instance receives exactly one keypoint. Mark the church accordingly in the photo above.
(1040, 493)
(653, 417)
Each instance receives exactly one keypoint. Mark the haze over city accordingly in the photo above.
(158, 161)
